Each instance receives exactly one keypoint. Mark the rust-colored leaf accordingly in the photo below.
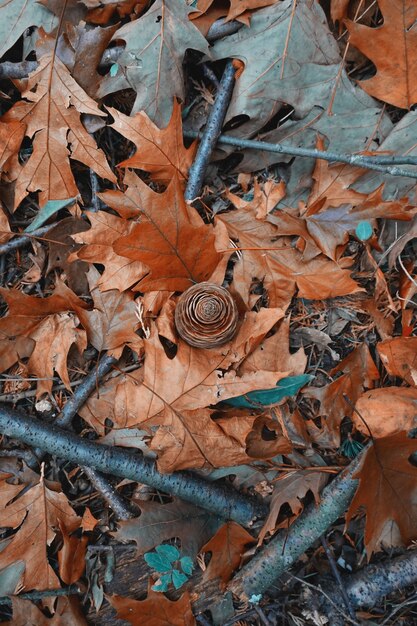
(392, 48)
(160, 152)
(51, 109)
(387, 490)
(156, 610)
(172, 240)
(227, 548)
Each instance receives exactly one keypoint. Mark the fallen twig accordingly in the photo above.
(371, 163)
(211, 133)
(84, 390)
(23, 239)
(218, 499)
(337, 576)
(367, 587)
(40, 595)
(284, 549)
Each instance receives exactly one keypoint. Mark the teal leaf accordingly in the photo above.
(163, 583)
(266, 397)
(50, 208)
(178, 578)
(364, 231)
(169, 552)
(187, 565)
(114, 69)
(157, 562)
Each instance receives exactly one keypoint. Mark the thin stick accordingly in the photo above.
(286, 547)
(337, 576)
(216, 498)
(211, 133)
(23, 239)
(380, 164)
(40, 595)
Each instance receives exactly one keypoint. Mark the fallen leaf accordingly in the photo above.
(289, 489)
(227, 548)
(192, 525)
(51, 109)
(172, 240)
(391, 47)
(160, 152)
(36, 515)
(386, 411)
(156, 610)
(387, 490)
(155, 48)
(399, 356)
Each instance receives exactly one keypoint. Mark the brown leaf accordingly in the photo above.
(28, 316)
(192, 439)
(202, 379)
(119, 273)
(67, 613)
(61, 244)
(273, 259)
(358, 372)
(386, 411)
(11, 136)
(160, 152)
(111, 324)
(399, 356)
(156, 610)
(158, 523)
(51, 108)
(71, 557)
(392, 48)
(172, 240)
(38, 513)
(227, 548)
(54, 336)
(387, 490)
(290, 489)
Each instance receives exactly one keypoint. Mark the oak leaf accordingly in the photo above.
(227, 548)
(28, 320)
(160, 152)
(67, 612)
(399, 356)
(387, 490)
(36, 514)
(386, 411)
(111, 324)
(194, 379)
(152, 60)
(392, 48)
(158, 523)
(358, 371)
(290, 489)
(156, 610)
(51, 109)
(238, 10)
(273, 259)
(119, 272)
(11, 136)
(17, 16)
(172, 239)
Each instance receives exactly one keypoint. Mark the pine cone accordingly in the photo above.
(206, 316)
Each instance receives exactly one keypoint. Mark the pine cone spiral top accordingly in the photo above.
(206, 316)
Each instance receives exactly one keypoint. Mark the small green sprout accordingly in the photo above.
(174, 568)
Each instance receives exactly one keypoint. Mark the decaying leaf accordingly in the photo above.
(392, 48)
(226, 547)
(155, 48)
(160, 152)
(156, 610)
(386, 411)
(51, 109)
(36, 514)
(387, 490)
